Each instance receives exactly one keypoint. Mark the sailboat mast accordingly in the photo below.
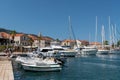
(109, 33)
(115, 36)
(113, 42)
(72, 34)
(96, 32)
(103, 36)
(89, 37)
(70, 30)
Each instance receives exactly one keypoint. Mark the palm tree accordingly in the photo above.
(39, 38)
(118, 43)
(105, 42)
(57, 40)
(31, 42)
(13, 33)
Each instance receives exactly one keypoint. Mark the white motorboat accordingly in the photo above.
(114, 51)
(20, 59)
(63, 52)
(28, 57)
(68, 53)
(47, 64)
(47, 51)
(103, 51)
(89, 51)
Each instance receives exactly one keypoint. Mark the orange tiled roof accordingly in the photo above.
(83, 41)
(4, 35)
(33, 37)
(67, 40)
(18, 35)
(95, 43)
(45, 38)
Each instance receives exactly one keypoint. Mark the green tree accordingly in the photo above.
(106, 42)
(118, 43)
(57, 40)
(31, 41)
(13, 33)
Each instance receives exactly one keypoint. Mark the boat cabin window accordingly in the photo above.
(58, 49)
(46, 50)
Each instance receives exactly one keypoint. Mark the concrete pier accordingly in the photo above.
(6, 70)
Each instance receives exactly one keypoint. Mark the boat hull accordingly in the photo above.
(103, 52)
(89, 51)
(67, 54)
(61, 54)
(114, 51)
(40, 68)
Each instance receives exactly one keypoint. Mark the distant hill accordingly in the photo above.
(9, 31)
(47, 37)
(5, 30)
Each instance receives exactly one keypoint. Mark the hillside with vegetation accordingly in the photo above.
(9, 31)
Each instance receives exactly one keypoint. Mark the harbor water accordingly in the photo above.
(100, 67)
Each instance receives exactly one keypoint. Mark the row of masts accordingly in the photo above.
(112, 34)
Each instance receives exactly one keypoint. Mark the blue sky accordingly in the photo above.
(50, 17)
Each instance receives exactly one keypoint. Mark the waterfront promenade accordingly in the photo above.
(6, 69)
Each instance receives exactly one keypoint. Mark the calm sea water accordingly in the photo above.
(102, 67)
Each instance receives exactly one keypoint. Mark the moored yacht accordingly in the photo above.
(47, 64)
(64, 52)
(103, 51)
(47, 51)
(114, 51)
(88, 50)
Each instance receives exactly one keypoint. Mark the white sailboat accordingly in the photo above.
(90, 50)
(114, 49)
(103, 50)
(112, 35)
(69, 52)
